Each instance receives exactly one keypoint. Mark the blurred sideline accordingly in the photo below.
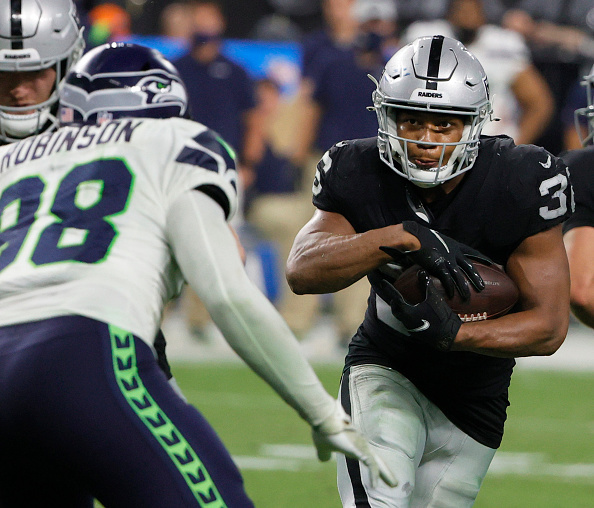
(321, 345)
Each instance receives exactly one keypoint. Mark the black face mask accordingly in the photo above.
(198, 39)
(369, 41)
(465, 35)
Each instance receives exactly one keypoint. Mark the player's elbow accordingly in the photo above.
(296, 284)
(553, 337)
(296, 278)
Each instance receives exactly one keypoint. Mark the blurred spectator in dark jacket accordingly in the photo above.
(221, 93)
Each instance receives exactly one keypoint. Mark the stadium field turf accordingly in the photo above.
(546, 460)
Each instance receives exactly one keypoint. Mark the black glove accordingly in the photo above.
(431, 321)
(444, 258)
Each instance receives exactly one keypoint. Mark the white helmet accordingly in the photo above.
(434, 75)
(36, 35)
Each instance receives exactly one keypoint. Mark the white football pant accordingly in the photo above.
(437, 465)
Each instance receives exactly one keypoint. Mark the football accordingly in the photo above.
(498, 297)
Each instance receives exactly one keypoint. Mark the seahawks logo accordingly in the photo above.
(90, 95)
(160, 89)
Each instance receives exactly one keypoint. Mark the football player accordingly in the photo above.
(579, 229)
(39, 44)
(102, 221)
(431, 391)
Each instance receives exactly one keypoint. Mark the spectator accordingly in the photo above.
(221, 95)
(275, 205)
(359, 37)
(337, 63)
(221, 92)
(176, 21)
(522, 99)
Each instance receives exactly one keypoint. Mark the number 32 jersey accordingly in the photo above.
(511, 193)
(83, 216)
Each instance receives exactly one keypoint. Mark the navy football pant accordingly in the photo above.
(86, 412)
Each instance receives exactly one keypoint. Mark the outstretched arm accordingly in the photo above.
(207, 255)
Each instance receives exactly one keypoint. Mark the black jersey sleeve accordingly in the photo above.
(326, 182)
(538, 191)
(347, 179)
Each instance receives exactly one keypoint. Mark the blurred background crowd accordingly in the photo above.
(283, 80)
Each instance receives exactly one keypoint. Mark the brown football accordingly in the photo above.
(498, 297)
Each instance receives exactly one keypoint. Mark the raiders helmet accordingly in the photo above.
(122, 80)
(36, 35)
(433, 75)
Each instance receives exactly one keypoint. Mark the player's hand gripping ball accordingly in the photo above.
(498, 297)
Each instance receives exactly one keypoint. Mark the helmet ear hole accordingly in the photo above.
(432, 75)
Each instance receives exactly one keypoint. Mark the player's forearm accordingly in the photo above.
(528, 333)
(207, 255)
(323, 262)
(257, 333)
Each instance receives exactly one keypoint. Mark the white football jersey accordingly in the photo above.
(502, 53)
(83, 213)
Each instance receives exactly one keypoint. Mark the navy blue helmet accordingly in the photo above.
(122, 80)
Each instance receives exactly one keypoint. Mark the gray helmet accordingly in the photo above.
(586, 113)
(434, 75)
(36, 35)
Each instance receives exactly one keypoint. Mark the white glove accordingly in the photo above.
(336, 434)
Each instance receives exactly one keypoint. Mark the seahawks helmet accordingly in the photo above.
(433, 75)
(36, 35)
(586, 114)
(122, 80)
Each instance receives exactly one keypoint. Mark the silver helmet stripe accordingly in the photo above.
(16, 24)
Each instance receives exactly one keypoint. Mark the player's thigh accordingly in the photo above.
(452, 468)
(177, 457)
(100, 413)
(387, 408)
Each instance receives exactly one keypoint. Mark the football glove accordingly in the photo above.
(432, 321)
(443, 257)
(336, 434)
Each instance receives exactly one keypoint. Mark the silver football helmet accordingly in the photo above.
(36, 35)
(434, 75)
(586, 113)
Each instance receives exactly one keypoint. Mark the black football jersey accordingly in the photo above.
(581, 171)
(512, 192)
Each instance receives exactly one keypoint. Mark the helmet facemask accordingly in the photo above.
(50, 37)
(394, 148)
(455, 86)
(586, 113)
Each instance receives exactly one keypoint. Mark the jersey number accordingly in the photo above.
(81, 230)
(560, 180)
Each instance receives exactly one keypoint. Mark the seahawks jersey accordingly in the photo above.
(83, 213)
(511, 193)
(581, 168)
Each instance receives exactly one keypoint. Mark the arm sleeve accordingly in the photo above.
(207, 255)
